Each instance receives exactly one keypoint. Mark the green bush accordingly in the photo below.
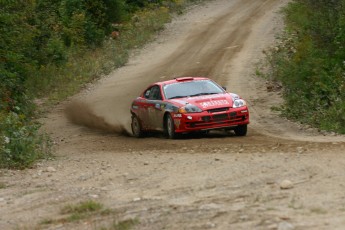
(87, 22)
(16, 52)
(84, 66)
(309, 61)
(20, 143)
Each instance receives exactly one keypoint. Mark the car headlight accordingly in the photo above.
(190, 109)
(239, 103)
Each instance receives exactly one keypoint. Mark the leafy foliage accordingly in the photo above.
(310, 63)
(50, 48)
(20, 145)
(15, 52)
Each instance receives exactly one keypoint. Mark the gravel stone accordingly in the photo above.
(286, 184)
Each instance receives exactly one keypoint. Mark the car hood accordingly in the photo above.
(208, 101)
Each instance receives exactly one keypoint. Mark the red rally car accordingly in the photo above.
(188, 104)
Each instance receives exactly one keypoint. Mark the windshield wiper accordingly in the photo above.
(177, 97)
(201, 94)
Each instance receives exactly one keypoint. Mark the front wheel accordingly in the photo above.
(241, 130)
(136, 127)
(170, 127)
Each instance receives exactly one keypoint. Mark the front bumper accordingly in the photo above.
(211, 119)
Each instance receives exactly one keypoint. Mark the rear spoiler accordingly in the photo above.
(184, 79)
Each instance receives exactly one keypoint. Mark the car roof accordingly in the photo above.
(181, 79)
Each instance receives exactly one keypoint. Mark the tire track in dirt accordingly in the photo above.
(203, 52)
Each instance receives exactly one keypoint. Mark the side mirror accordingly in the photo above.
(147, 94)
(224, 87)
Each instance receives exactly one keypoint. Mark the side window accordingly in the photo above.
(155, 93)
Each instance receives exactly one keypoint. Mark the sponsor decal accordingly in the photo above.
(178, 115)
(207, 104)
(135, 107)
(177, 123)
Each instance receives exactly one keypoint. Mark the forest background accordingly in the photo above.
(49, 49)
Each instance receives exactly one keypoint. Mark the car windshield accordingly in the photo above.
(191, 89)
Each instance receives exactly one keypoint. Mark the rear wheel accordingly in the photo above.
(170, 127)
(241, 130)
(136, 127)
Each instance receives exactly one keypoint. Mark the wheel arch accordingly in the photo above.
(166, 114)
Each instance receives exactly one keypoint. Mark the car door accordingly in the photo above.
(150, 109)
(143, 109)
(156, 112)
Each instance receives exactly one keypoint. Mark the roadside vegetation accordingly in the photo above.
(50, 49)
(91, 212)
(309, 62)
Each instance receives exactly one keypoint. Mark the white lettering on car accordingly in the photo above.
(214, 103)
(208, 97)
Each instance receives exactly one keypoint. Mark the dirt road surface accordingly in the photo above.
(218, 181)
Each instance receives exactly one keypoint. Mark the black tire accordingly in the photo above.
(241, 130)
(170, 127)
(136, 127)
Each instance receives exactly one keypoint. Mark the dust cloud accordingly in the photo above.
(80, 113)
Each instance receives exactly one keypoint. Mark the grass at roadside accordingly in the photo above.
(92, 212)
(81, 210)
(2, 185)
(122, 225)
